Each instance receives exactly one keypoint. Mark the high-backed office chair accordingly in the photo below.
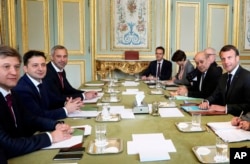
(131, 55)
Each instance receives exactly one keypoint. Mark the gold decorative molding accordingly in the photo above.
(127, 66)
(11, 23)
(93, 33)
(81, 20)
(168, 28)
(236, 24)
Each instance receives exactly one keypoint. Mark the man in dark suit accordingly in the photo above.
(211, 52)
(30, 87)
(17, 125)
(56, 79)
(160, 67)
(232, 93)
(206, 80)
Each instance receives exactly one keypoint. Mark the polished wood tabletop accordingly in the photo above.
(142, 124)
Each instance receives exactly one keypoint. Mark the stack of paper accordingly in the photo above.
(228, 132)
(170, 112)
(157, 148)
(125, 113)
(83, 114)
(132, 92)
(130, 83)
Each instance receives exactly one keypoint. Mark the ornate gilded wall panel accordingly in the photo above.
(71, 25)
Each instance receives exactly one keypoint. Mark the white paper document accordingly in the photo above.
(170, 112)
(153, 155)
(81, 113)
(133, 146)
(91, 89)
(130, 83)
(228, 132)
(74, 140)
(150, 147)
(132, 92)
(94, 100)
(125, 113)
(87, 129)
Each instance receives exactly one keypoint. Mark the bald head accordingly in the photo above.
(211, 52)
(202, 61)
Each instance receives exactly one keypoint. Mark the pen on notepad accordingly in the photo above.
(241, 114)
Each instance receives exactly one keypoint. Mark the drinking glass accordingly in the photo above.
(196, 120)
(155, 109)
(100, 135)
(158, 84)
(106, 111)
(221, 150)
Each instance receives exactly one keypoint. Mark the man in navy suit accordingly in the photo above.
(17, 125)
(56, 79)
(30, 87)
(232, 93)
(160, 67)
(206, 80)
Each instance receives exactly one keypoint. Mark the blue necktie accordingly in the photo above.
(229, 78)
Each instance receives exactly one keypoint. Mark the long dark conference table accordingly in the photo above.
(142, 124)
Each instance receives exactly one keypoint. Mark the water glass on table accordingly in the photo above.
(100, 134)
(221, 150)
(106, 111)
(155, 109)
(196, 120)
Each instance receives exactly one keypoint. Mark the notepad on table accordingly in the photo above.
(228, 132)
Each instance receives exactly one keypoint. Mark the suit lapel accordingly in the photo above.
(56, 76)
(31, 85)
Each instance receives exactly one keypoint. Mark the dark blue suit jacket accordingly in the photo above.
(166, 70)
(238, 97)
(18, 140)
(3, 159)
(39, 105)
(209, 84)
(53, 82)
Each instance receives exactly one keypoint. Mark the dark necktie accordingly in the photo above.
(201, 80)
(9, 102)
(40, 86)
(229, 78)
(60, 74)
(159, 70)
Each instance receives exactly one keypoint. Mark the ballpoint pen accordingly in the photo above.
(241, 114)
